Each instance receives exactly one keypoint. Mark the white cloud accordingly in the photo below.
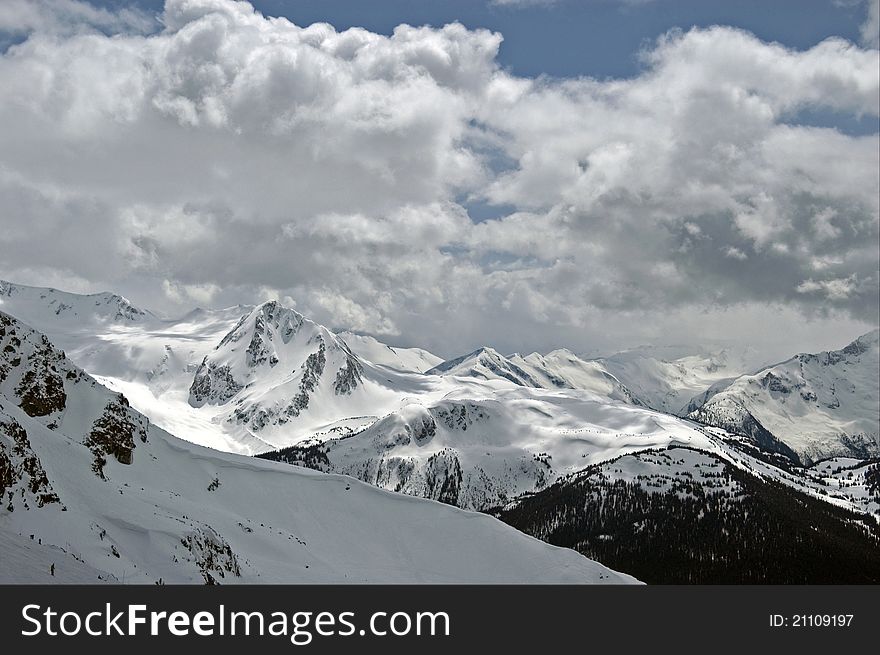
(178, 293)
(735, 253)
(836, 289)
(22, 16)
(229, 156)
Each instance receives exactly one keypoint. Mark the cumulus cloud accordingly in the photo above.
(227, 156)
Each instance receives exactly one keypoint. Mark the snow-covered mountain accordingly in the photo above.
(238, 379)
(668, 378)
(90, 485)
(253, 379)
(559, 369)
(276, 369)
(685, 515)
(76, 310)
(478, 452)
(413, 360)
(486, 364)
(152, 360)
(817, 405)
(479, 431)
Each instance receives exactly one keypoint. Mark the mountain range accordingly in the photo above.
(502, 434)
(93, 491)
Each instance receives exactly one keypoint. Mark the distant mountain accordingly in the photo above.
(413, 360)
(75, 309)
(815, 405)
(668, 378)
(487, 364)
(559, 369)
(91, 488)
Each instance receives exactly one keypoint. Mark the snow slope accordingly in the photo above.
(28, 561)
(559, 369)
(105, 493)
(667, 378)
(478, 452)
(413, 360)
(819, 405)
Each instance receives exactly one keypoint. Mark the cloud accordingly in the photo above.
(226, 157)
(65, 16)
(185, 293)
(837, 289)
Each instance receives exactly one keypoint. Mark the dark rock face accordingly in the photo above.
(312, 370)
(460, 416)
(422, 430)
(212, 384)
(862, 446)
(438, 478)
(856, 348)
(40, 390)
(19, 463)
(497, 365)
(515, 374)
(259, 350)
(349, 376)
(775, 383)
(212, 554)
(113, 433)
(443, 477)
(7, 472)
(271, 319)
(125, 311)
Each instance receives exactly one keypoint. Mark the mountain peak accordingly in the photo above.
(279, 366)
(818, 404)
(34, 304)
(869, 338)
(474, 356)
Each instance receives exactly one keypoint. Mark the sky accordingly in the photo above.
(593, 174)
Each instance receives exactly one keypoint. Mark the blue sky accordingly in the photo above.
(586, 37)
(577, 37)
(595, 38)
